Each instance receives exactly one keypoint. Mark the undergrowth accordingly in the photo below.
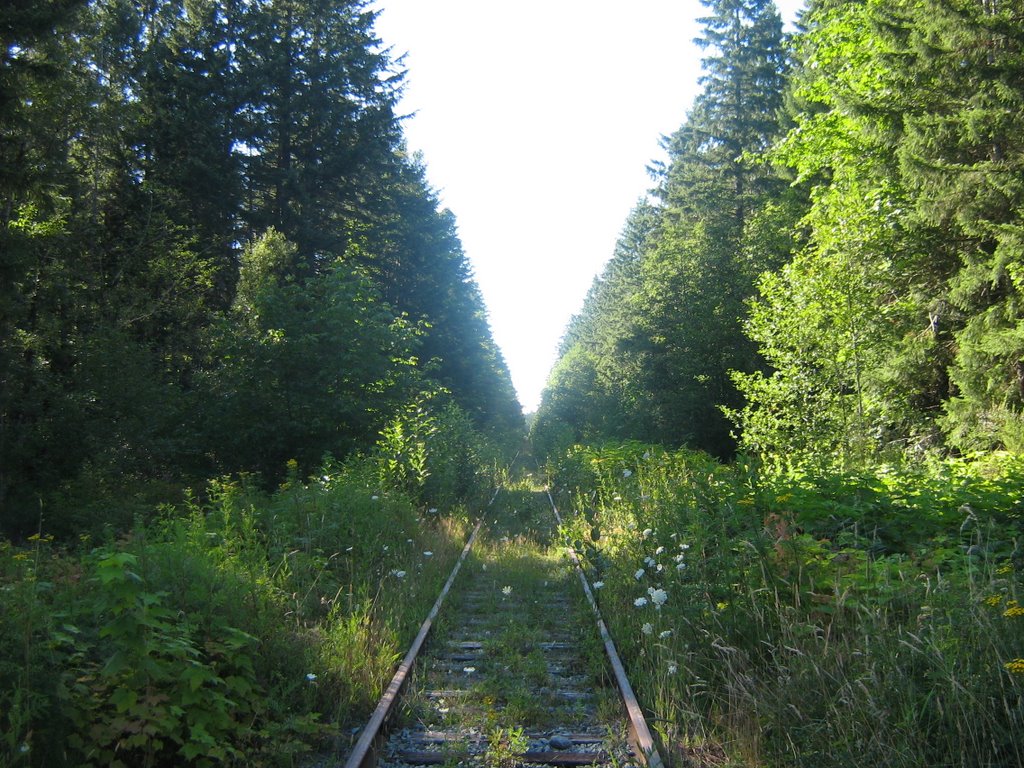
(799, 620)
(239, 627)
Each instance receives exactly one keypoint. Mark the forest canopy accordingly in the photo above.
(830, 268)
(218, 254)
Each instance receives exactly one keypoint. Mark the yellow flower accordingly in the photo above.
(1004, 569)
(1013, 610)
(1015, 667)
(784, 498)
(993, 600)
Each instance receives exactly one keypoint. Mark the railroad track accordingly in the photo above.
(519, 668)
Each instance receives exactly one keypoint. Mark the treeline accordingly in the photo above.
(832, 266)
(217, 253)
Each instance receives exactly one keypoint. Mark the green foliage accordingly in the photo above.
(594, 390)
(158, 693)
(320, 360)
(650, 355)
(879, 293)
(216, 248)
(796, 618)
(503, 745)
(896, 328)
(433, 452)
(241, 628)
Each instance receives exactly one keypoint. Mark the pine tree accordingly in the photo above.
(697, 278)
(595, 391)
(319, 130)
(961, 156)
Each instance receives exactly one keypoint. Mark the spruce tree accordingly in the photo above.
(697, 278)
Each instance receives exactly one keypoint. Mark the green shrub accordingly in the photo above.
(239, 628)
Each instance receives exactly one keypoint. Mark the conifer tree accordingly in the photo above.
(698, 276)
(957, 69)
(594, 392)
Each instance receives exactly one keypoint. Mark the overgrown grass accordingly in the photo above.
(240, 629)
(820, 621)
(520, 589)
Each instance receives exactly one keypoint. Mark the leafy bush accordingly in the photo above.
(234, 630)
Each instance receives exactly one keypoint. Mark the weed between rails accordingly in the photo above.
(810, 621)
(517, 591)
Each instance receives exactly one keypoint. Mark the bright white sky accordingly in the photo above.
(537, 120)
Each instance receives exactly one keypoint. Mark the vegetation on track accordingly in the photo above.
(524, 592)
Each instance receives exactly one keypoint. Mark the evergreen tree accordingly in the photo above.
(301, 365)
(412, 250)
(904, 305)
(318, 124)
(141, 144)
(594, 391)
(960, 91)
(698, 276)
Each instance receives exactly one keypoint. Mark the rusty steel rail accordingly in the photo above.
(362, 755)
(641, 734)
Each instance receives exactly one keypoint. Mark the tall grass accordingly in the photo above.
(826, 621)
(239, 629)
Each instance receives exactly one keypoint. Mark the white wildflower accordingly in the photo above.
(650, 561)
(659, 550)
(469, 670)
(398, 574)
(658, 596)
(639, 574)
(681, 567)
(598, 584)
(665, 633)
(428, 553)
(506, 591)
(647, 628)
(640, 602)
(647, 532)
(311, 677)
(374, 498)
(627, 473)
(672, 668)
